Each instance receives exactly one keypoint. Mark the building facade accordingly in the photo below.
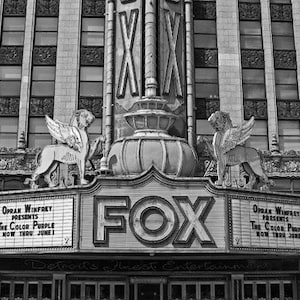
(142, 218)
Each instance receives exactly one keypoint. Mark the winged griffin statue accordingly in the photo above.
(228, 150)
(75, 146)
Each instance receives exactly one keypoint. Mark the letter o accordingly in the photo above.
(146, 207)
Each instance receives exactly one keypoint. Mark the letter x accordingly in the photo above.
(127, 67)
(172, 67)
(193, 225)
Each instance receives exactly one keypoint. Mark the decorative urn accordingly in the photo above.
(151, 145)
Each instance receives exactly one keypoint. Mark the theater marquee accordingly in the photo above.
(42, 222)
(272, 224)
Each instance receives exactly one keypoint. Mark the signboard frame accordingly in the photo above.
(31, 199)
(273, 199)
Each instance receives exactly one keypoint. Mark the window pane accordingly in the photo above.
(205, 292)
(13, 24)
(104, 291)
(250, 28)
(43, 73)
(37, 125)
(220, 291)
(93, 24)
(282, 28)
(275, 291)
(286, 77)
(204, 26)
(32, 291)
(19, 291)
(93, 39)
(12, 38)
(206, 75)
(254, 91)
(75, 291)
(191, 291)
(46, 291)
(10, 88)
(261, 291)
(205, 41)
(42, 88)
(91, 89)
(287, 92)
(253, 76)
(5, 287)
(283, 43)
(90, 292)
(176, 292)
(207, 90)
(91, 74)
(288, 291)
(46, 24)
(251, 42)
(10, 72)
(120, 292)
(45, 38)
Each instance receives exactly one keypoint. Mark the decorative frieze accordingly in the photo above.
(285, 59)
(47, 8)
(249, 11)
(204, 10)
(205, 107)
(206, 57)
(281, 12)
(14, 7)
(256, 108)
(288, 109)
(9, 106)
(92, 56)
(91, 104)
(41, 106)
(11, 55)
(44, 56)
(92, 8)
(252, 58)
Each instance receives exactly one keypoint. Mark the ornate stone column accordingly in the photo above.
(26, 70)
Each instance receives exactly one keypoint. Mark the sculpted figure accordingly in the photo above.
(228, 149)
(75, 147)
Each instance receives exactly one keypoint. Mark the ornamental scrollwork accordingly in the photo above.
(256, 108)
(44, 55)
(252, 58)
(285, 59)
(14, 8)
(9, 106)
(41, 106)
(205, 10)
(249, 11)
(92, 104)
(92, 56)
(11, 55)
(47, 8)
(281, 12)
(206, 57)
(205, 107)
(93, 8)
(288, 109)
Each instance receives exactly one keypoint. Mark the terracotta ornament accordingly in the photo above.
(74, 148)
(228, 148)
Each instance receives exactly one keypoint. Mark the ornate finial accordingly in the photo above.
(275, 146)
(22, 142)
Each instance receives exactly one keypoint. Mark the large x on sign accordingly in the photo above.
(172, 67)
(127, 69)
(195, 216)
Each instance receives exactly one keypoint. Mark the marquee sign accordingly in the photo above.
(265, 224)
(153, 221)
(43, 222)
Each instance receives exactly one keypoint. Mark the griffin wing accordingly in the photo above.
(237, 135)
(65, 133)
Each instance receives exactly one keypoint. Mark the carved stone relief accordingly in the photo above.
(253, 58)
(93, 7)
(9, 106)
(206, 57)
(285, 59)
(41, 106)
(14, 7)
(256, 108)
(92, 56)
(205, 107)
(288, 109)
(44, 55)
(249, 11)
(91, 104)
(281, 12)
(11, 55)
(204, 10)
(47, 7)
